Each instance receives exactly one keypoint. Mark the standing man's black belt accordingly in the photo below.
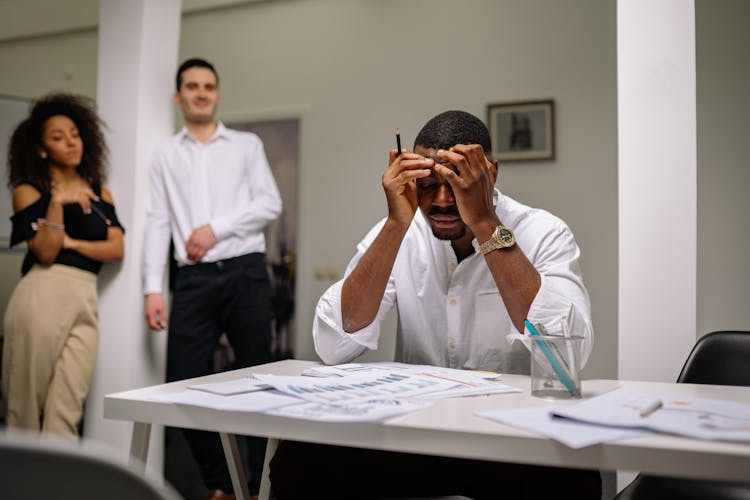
(233, 262)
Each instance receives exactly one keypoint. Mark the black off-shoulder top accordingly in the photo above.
(78, 225)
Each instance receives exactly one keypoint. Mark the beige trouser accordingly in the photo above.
(49, 349)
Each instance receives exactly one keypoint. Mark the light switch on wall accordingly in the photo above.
(322, 272)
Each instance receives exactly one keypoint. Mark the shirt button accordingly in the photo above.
(453, 302)
(452, 344)
(452, 266)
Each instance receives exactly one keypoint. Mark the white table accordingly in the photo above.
(448, 428)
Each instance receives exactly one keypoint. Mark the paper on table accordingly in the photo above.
(570, 433)
(462, 392)
(699, 418)
(363, 412)
(620, 407)
(467, 376)
(229, 387)
(704, 419)
(343, 370)
(468, 383)
(248, 402)
(393, 366)
(346, 369)
(357, 388)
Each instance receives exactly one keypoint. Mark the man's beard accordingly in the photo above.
(444, 234)
(441, 235)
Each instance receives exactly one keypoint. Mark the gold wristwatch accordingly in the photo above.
(501, 238)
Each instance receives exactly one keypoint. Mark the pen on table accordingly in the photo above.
(100, 214)
(398, 142)
(652, 408)
(553, 360)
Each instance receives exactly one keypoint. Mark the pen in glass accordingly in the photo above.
(100, 214)
(553, 360)
(398, 142)
(651, 408)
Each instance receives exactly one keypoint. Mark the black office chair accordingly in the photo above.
(718, 358)
(36, 467)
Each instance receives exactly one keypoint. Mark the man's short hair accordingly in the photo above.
(454, 127)
(193, 63)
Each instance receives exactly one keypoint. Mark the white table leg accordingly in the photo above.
(236, 468)
(265, 480)
(139, 444)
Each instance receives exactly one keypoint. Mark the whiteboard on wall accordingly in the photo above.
(13, 110)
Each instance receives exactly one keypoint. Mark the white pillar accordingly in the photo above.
(138, 47)
(657, 187)
(657, 193)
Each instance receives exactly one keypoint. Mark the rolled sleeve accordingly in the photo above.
(332, 343)
(562, 297)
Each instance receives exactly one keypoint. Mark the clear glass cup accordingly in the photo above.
(556, 366)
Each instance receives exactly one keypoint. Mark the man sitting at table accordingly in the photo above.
(465, 269)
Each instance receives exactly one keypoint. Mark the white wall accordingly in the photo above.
(723, 91)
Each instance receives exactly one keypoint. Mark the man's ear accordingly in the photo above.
(176, 97)
(493, 168)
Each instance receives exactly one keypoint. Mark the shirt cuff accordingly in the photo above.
(221, 227)
(332, 343)
(152, 284)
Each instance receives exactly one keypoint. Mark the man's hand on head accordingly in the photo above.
(399, 183)
(472, 182)
(201, 240)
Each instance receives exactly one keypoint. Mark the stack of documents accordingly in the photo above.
(699, 418)
(621, 413)
(392, 366)
(464, 382)
(350, 392)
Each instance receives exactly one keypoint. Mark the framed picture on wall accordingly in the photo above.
(522, 131)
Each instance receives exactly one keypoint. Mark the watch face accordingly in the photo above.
(505, 236)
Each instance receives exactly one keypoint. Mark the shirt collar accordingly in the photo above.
(219, 133)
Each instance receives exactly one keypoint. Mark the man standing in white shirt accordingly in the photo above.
(212, 193)
(466, 265)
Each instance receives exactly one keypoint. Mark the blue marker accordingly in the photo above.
(559, 370)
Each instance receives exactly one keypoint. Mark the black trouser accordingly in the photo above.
(305, 470)
(231, 296)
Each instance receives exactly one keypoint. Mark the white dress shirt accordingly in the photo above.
(225, 182)
(450, 313)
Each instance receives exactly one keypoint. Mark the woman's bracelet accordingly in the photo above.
(45, 223)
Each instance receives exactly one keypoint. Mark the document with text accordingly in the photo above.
(352, 392)
(542, 421)
(699, 418)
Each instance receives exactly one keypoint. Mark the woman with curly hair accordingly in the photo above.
(56, 160)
